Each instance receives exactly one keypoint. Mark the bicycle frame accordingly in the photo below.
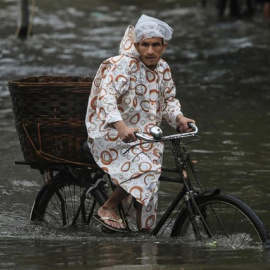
(182, 161)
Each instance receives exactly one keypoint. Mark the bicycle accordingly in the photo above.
(72, 192)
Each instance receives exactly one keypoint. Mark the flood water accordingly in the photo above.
(221, 70)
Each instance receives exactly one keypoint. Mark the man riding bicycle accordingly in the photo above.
(133, 92)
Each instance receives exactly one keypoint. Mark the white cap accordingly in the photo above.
(149, 27)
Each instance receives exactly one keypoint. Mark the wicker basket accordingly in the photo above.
(50, 118)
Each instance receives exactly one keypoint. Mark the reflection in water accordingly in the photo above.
(221, 71)
(124, 254)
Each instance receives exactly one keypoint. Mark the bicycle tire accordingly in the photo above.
(231, 222)
(58, 202)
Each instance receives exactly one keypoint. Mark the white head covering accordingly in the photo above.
(149, 27)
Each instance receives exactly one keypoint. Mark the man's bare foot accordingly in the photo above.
(111, 217)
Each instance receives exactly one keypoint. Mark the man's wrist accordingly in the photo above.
(179, 117)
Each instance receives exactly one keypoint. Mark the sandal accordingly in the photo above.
(120, 221)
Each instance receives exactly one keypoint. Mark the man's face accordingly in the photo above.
(150, 50)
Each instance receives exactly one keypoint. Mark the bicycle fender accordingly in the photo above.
(207, 193)
(39, 195)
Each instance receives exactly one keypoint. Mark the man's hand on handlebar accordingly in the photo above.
(126, 133)
(182, 123)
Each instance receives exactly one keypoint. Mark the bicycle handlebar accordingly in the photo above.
(157, 137)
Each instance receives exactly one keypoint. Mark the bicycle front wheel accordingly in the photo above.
(60, 204)
(224, 221)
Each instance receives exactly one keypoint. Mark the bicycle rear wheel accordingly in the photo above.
(60, 203)
(228, 222)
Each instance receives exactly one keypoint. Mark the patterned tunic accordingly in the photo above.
(125, 89)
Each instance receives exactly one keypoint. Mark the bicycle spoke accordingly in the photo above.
(61, 205)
